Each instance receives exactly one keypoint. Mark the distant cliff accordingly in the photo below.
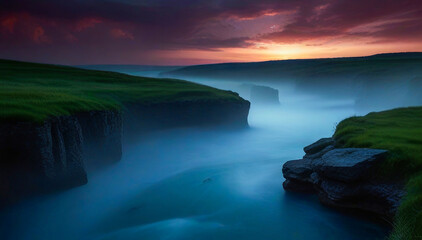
(264, 95)
(365, 78)
(307, 70)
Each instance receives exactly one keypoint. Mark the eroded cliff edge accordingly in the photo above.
(345, 178)
(54, 155)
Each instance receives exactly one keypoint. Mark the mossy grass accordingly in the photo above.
(400, 132)
(35, 92)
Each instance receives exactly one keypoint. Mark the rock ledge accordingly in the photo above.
(344, 178)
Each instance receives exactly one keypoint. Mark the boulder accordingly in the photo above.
(298, 186)
(343, 178)
(319, 154)
(297, 169)
(349, 164)
(318, 145)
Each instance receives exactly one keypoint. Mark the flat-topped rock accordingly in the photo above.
(349, 164)
(318, 145)
(297, 169)
(344, 178)
(319, 154)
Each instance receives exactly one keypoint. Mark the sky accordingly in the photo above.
(188, 32)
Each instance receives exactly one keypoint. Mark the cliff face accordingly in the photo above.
(139, 118)
(102, 136)
(344, 178)
(37, 158)
(264, 95)
(40, 158)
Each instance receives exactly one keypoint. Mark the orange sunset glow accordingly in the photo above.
(169, 33)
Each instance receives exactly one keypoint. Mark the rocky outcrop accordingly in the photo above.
(318, 146)
(344, 178)
(53, 155)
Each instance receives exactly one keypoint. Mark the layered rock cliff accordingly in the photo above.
(344, 178)
(40, 157)
(102, 136)
(53, 155)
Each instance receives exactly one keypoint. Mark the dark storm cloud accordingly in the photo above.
(338, 17)
(128, 26)
(162, 23)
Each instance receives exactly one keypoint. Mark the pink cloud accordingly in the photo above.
(39, 36)
(71, 38)
(121, 34)
(86, 23)
(9, 23)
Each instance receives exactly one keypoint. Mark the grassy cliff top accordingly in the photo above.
(400, 132)
(32, 91)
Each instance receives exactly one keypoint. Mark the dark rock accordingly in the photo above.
(40, 158)
(319, 154)
(343, 178)
(297, 170)
(315, 178)
(337, 190)
(102, 134)
(318, 145)
(349, 164)
(381, 199)
(387, 196)
(298, 186)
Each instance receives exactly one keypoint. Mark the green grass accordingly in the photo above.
(400, 132)
(35, 92)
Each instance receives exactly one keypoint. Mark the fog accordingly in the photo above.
(365, 93)
(192, 183)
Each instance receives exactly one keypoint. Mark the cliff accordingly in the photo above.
(58, 121)
(345, 178)
(102, 136)
(264, 95)
(143, 117)
(39, 158)
(54, 155)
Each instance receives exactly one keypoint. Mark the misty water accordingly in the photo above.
(196, 183)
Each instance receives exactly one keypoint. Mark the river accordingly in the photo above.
(195, 184)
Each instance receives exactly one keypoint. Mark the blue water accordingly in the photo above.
(201, 184)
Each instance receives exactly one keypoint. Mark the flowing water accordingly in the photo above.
(201, 184)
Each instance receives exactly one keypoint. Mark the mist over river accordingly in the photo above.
(194, 183)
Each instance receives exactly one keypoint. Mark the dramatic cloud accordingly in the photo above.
(329, 19)
(129, 31)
